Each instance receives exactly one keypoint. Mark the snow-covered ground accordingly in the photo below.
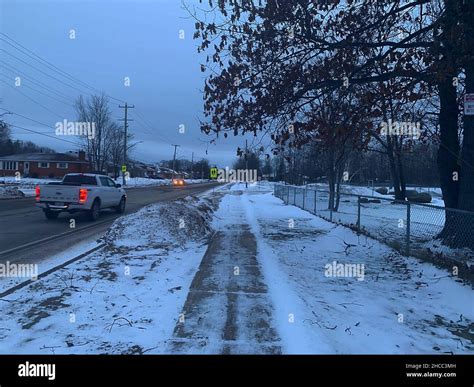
(125, 298)
(7, 192)
(48, 262)
(435, 193)
(263, 285)
(401, 306)
(385, 221)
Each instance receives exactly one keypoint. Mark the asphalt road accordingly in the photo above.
(21, 222)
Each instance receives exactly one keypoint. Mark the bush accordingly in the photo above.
(367, 200)
(51, 175)
(382, 190)
(375, 201)
(411, 193)
(422, 197)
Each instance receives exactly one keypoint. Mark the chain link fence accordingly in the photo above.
(411, 228)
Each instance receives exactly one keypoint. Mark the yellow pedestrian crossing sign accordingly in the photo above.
(124, 168)
(213, 173)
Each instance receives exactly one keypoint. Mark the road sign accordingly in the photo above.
(469, 104)
(124, 168)
(213, 173)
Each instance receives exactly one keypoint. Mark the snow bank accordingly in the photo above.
(23, 187)
(171, 223)
(10, 193)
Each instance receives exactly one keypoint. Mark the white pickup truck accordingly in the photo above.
(80, 192)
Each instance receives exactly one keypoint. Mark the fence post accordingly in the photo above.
(407, 247)
(288, 196)
(358, 213)
(294, 196)
(315, 198)
(304, 196)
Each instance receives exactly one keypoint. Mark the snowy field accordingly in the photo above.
(385, 221)
(238, 271)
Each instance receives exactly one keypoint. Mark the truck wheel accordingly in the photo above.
(121, 207)
(94, 212)
(51, 214)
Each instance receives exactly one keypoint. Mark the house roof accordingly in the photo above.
(43, 157)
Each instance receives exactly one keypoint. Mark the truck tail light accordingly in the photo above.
(37, 193)
(82, 195)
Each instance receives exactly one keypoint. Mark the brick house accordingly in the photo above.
(44, 164)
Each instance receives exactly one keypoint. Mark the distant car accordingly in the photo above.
(86, 192)
(178, 181)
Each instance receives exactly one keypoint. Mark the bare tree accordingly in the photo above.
(96, 111)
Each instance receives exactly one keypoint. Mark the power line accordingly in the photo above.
(42, 61)
(52, 67)
(151, 131)
(41, 92)
(23, 116)
(42, 72)
(43, 134)
(31, 99)
(33, 80)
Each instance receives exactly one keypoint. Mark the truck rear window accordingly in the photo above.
(80, 180)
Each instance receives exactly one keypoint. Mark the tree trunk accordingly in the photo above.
(464, 237)
(466, 185)
(338, 187)
(393, 169)
(448, 153)
(400, 169)
(331, 176)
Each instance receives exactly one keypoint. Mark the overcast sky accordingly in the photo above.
(114, 39)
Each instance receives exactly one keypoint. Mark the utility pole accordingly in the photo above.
(125, 126)
(192, 166)
(174, 157)
(246, 166)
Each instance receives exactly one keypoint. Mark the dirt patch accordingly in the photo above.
(41, 311)
(462, 328)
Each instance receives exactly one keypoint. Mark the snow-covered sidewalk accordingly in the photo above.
(398, 304)
(228, 309)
